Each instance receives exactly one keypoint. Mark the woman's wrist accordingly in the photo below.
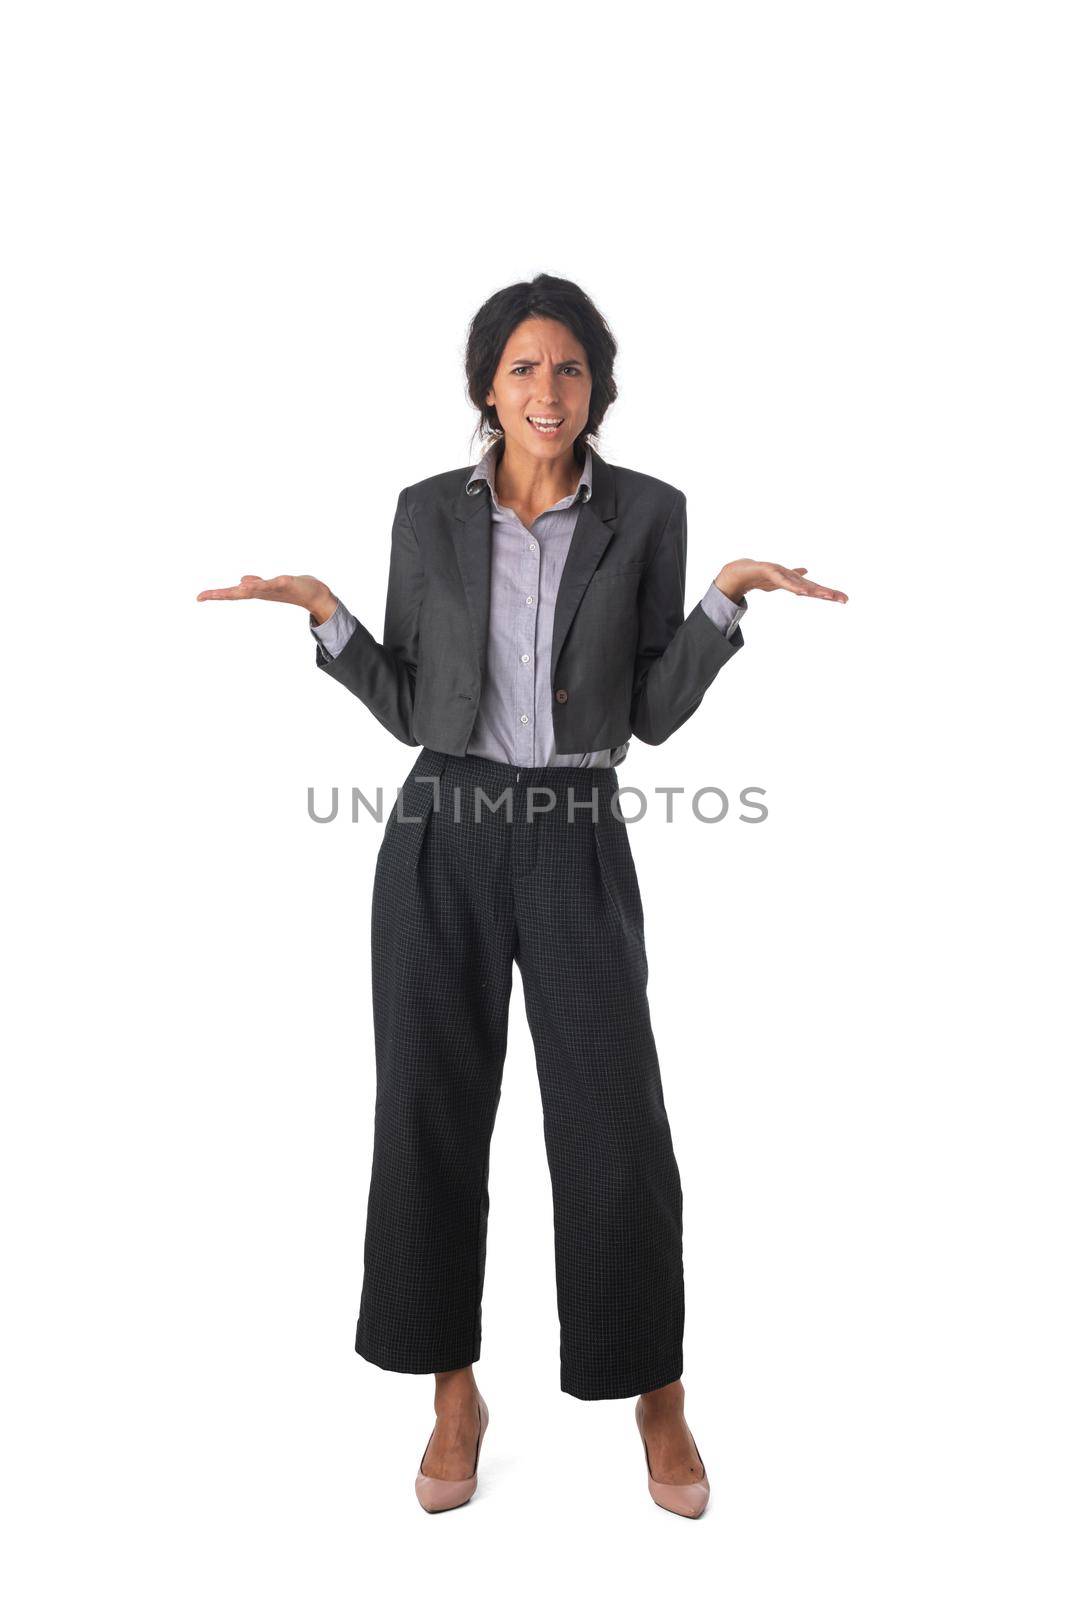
(730, 584)
(323, 607)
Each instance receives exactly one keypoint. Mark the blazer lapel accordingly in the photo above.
(592, 534)
(472, 536)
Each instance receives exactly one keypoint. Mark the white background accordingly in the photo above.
(242, 247)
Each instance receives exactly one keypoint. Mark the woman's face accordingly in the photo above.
(543, 375)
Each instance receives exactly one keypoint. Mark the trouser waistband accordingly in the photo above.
(497, 775)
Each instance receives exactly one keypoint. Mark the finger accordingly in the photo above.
(234, 593)
(822, 592)
(792, 578)
(802, 586)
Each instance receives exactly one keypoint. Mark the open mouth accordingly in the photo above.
(546, 425)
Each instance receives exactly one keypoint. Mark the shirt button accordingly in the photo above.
(524, 718)
(561, 695)
(529, 599)
(533, 547)
(526, 658)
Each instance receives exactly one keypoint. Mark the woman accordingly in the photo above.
(534, 621)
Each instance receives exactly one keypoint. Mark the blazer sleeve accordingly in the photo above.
(383, 675)
(677, 655)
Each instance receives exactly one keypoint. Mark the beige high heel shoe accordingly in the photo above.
(684, 1499)
(444, 1494)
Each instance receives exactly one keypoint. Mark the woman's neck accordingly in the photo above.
(528, 481)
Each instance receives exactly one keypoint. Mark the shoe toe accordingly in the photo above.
(443, 1494)
(684, 1499)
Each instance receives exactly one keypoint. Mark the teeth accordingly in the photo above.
(547, 423)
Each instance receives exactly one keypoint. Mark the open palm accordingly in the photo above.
(303, 590)
(741, 577)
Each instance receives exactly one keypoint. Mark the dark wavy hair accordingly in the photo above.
(493, 324)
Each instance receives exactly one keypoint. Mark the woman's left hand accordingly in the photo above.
(738, 577)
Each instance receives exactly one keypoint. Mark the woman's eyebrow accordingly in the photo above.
(528, 361)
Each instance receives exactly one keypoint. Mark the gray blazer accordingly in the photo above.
(625, 657)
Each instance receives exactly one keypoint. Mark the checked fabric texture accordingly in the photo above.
(455, 904)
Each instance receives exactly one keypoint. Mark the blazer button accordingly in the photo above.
(561, 695)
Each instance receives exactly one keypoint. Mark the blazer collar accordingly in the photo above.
(472, 536)
(484, 473)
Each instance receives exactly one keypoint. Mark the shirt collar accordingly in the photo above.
(486, 471)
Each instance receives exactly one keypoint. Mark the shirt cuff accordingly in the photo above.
(726, 614)
(335, 632)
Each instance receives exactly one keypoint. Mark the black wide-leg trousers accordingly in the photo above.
(481, 865)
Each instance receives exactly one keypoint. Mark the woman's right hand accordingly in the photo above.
(306, 591)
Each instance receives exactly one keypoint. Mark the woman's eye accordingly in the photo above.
(518, 371)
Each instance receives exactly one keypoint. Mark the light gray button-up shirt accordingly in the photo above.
(514, 720)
